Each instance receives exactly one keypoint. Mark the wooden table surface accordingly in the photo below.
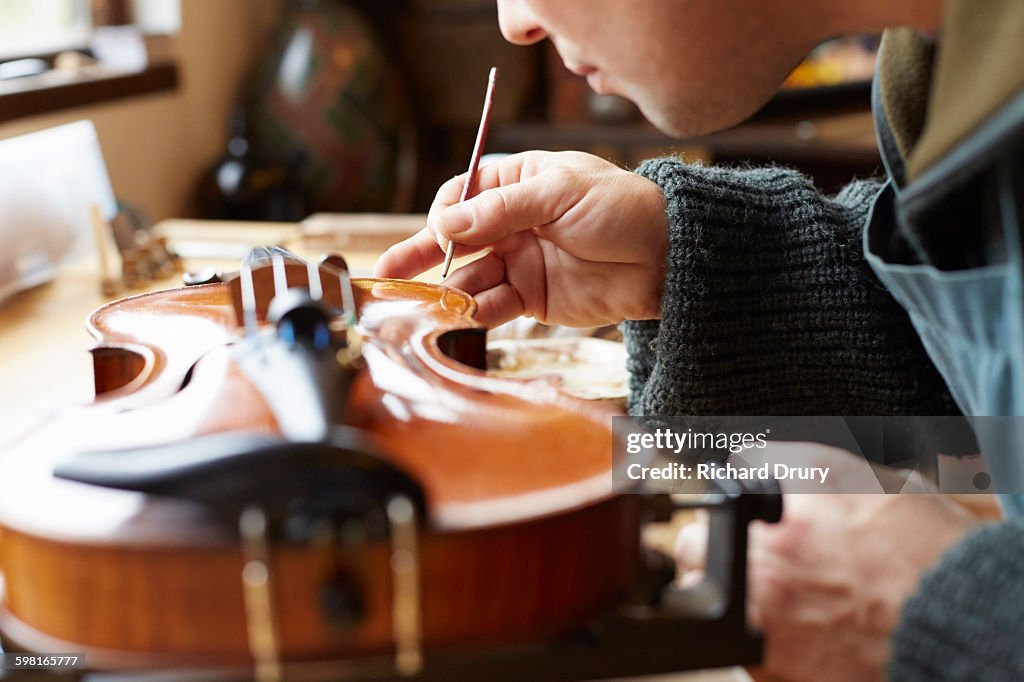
(45, 365)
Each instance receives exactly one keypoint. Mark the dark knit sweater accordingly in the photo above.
(964, 622)
(769, 306)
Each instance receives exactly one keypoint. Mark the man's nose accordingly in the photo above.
(517, 24)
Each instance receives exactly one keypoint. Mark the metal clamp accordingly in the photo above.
(259, 607)
(261, 620)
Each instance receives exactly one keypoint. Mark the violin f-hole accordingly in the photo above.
(468, 346)
(115, 367)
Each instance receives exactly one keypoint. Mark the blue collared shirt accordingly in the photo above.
(971, 321)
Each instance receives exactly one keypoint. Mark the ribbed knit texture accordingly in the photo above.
(965, 621)
(769, 306)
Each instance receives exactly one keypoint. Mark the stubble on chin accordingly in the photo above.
(686, 119)
(672, 120)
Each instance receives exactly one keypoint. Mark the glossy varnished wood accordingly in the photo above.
(159, 605)
(523, 537)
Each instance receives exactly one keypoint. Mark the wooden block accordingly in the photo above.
(358, 231)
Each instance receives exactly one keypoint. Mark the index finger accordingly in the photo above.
(507, 170)
(412, 257)
(409, 258)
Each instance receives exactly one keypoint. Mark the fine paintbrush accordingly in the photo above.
(474, 162)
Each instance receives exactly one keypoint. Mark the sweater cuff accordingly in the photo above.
(768, 306)
(639, 336)
(965, 621)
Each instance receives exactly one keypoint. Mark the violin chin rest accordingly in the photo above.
(297, 485)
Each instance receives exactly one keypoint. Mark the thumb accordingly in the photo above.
(496, 213)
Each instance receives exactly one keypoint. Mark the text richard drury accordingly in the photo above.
(720, 472)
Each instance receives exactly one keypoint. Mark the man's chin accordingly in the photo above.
(693, 121)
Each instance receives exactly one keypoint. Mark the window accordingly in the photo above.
(44, 28)
(161, 17)
(40, 27)
(33, 27)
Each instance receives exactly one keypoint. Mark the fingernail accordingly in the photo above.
(456, 219)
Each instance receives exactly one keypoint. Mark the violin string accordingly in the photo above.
(316, 289)
(248, 301)
(353, 338)
(348, 300)
(280, 275)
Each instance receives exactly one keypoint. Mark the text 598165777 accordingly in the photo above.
(52, 662)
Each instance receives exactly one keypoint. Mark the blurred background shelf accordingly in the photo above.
(194, 114)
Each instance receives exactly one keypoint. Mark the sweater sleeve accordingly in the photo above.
(769, 307)
(964, 622)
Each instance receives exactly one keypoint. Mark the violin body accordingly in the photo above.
(520, 537)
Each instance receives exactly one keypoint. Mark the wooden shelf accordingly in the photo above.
(848, 138)
(54, 90)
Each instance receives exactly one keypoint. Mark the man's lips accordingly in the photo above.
(595, 78)
(581, 69)
(596, 81)
(593, 75)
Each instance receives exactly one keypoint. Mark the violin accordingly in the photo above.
(296, 474)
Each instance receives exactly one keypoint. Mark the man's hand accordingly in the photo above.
(573, 240)
(827, 583)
